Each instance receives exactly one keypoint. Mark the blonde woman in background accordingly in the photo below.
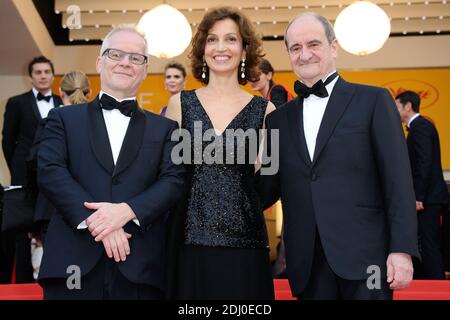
(74, 88)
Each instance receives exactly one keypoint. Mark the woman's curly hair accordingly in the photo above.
(252, 44)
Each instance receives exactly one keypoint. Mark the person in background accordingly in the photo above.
(446, 239)
(278, 94)
(174, 79)
(429, 185)
(22, 116)
(5, 272)
(75, 88)
(223, 252)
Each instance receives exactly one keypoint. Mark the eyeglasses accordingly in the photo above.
(118, 55)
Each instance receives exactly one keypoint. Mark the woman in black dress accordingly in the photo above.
(224, 252)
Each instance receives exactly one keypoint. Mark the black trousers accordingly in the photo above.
(8, 246)
(430, 243)
(446, 238)
(103, 282)
(324, 284)
(16, 247)
(24, 268)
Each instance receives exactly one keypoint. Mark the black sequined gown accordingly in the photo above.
(225, 253)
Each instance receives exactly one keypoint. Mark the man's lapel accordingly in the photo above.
(32, 102)
(340, 98)
(98, 136)
(132, 142)
(295, 120)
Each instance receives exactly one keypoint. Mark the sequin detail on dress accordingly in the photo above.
(223, 206)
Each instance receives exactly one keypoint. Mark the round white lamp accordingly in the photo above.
(362, 28)
(167, 31)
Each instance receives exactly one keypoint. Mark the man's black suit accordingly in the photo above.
(430, 188)
(43, 209)
(75, 164)
(21, 120)
(357, 192)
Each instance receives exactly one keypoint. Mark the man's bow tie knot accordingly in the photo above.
(126, 107)
(40, 97)
(317, 89)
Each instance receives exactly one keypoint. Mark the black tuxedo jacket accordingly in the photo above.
(75, 165)
(21, 120)
(357, 192)
(43, 209)
(425, 157)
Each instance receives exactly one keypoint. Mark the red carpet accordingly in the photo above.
(28, 291)
(418, 290)
(425, 290)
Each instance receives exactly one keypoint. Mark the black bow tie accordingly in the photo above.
(40, 97)
(126, 107)
(317, 89)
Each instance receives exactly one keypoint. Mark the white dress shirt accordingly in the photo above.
(44, 106)
(412, 119)
(313, 111)
(116, 126)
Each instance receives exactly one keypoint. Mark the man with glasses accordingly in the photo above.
(106, 167)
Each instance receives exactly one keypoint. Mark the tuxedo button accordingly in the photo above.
(314, 176)
(115, 181)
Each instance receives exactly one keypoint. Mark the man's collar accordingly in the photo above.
(326, 77)
(36, 91)
(120, 100)
(412, 119)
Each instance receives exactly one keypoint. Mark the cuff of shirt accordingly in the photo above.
(83, 224)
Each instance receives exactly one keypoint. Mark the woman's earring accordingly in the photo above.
(204, 70)
(243, 68)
